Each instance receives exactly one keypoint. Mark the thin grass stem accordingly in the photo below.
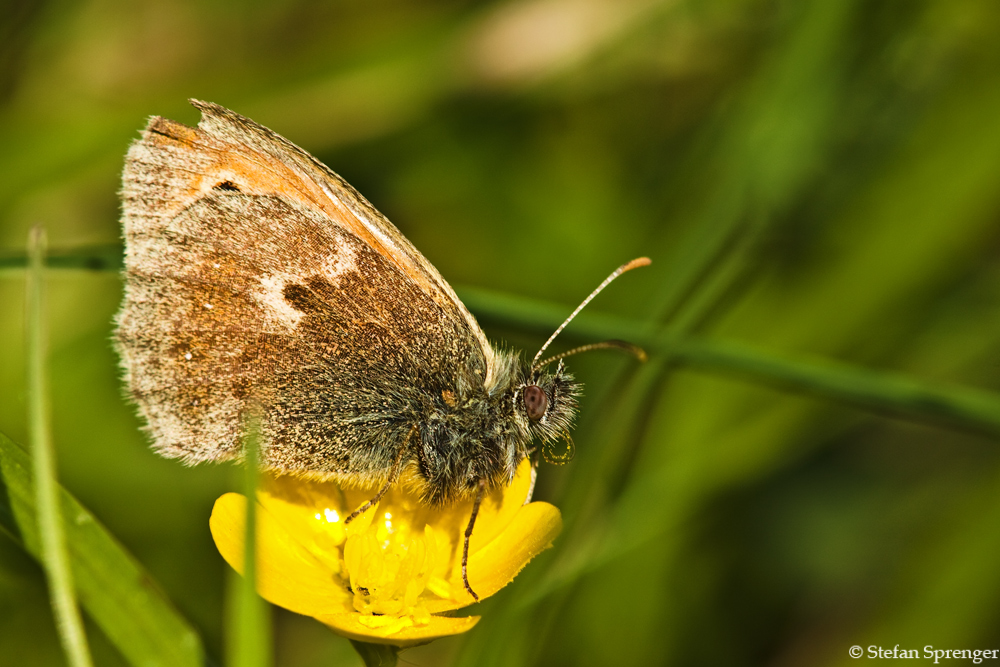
(54, 558)
(377, 655)
(251, 644)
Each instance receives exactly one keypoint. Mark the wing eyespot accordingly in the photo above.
(226, 186)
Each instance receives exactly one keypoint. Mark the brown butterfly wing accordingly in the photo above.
(254, 272)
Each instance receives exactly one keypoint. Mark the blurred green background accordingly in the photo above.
(808, 177)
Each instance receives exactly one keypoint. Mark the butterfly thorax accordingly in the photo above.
(483, 433)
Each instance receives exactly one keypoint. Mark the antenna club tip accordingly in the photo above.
(636, 263)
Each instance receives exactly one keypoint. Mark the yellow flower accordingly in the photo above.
(386, 576)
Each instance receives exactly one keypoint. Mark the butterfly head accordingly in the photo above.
(546, 403)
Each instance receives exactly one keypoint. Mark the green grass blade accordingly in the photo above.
(118, 594)
(777, 135)
(54, 559)
(250, 621)
(105, 257)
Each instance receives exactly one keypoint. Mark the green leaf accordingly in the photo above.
(116, 591)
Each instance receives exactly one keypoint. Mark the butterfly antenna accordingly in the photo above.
(634, 350)
(634, 264)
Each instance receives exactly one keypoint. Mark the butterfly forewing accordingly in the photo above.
(253, 272)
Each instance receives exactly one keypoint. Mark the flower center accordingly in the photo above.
(389, 565)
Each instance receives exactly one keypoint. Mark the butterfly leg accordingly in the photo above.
(533, 456)
(468, 534)
(393, 478)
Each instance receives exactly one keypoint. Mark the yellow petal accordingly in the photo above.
(397, 631)
(288, 575)
(499, 509)
(312, 511)
(494, 565)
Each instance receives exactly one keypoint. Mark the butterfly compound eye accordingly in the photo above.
(535, 402)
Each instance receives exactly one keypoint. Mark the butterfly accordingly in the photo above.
(256, 275)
